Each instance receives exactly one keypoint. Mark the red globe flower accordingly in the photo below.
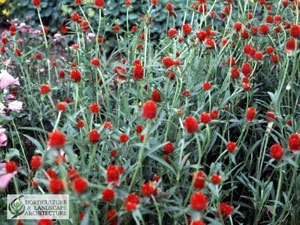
(168, 148)
(172, 32)
(138, 72)
(35, 162)
(56, 139)
(225, 209)
(80, 123)
(44, 89)
(123, 138)
(94, 136)
(61, 106)
(112, 217)
(276, 151)
(295, 31)
(36, 3)
(198, 201)
(250, 114)
(231, 146)
(95, 62)
(205, 117)
(191, 124)
(94, 108)
(264, 29)
(199, 179)
(99, 3)
(147, 189)
(216, 179)
(155, 96)
(45, 222)
(198, 222)
(206, 86)
(167, 62)
(149, 110)
(186, 29)
(75, 75)
(294, 142)
(108, 194)
(80, 185)
(11, 166)
(56, 186)
(113, 174)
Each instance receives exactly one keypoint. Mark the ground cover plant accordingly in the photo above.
(197, 125)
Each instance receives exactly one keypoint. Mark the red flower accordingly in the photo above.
(269, 50)
(123, 138)
(107, 125)
(172, 32)
(113, 174)
(116, 28)
(191, 124)
(44, 89)
(51, 173)
(291, 45)
(75, 75)
(276, 151)
(237, 26)
(56, 186)
(94, 136)
(45, 222)
(216, 179)
(247, 69)
(148, 189)
(11, 166)
(294, 142)
(35, 162)
(201, 35)
(168, 148)
(138, 72)
(235, 73)
(108, 194)
(214, 114)
(112, 217)
(199, 179)
(198, 222)
(231, 146)
(94, 108)
(264, 29)
(250, 114)
(210, 43)
(80, 123)
(56, 139)
(275, 59)
(198, 201)
(95, 62)
(36, 3)
(72, 174)
(131, 202)
(186, 29)
(231, 61)
(295, 31)
(78, 2)
(205, 117)
(149, 110)
(80, 185)
(168, 62)
(99, 3)
(61, 106)
(84, 25)
(225, 209)
(258, 56)
(206, 86)
(155, 96)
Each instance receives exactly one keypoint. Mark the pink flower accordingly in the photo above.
(3, 137)
(15, 106)
(4, 176)
(6, 79)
